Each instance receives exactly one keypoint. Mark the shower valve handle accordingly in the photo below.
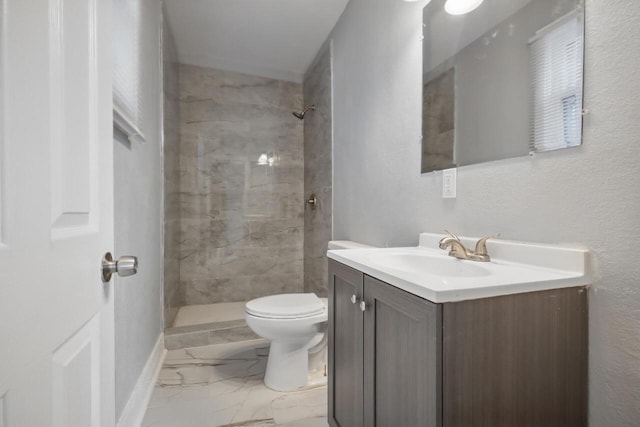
(313, 201)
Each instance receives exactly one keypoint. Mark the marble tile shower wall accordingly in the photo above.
(171, 159)
(318, 172)
(241, 222)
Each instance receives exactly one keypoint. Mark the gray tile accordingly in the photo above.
(276, 284)
(318, 173)
(171, 167)
(291, 261)
(276, 233)
(225, 86)
(204, 290)
(235, 215)
(253, 261)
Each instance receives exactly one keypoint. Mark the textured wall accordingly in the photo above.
(241, 223)
(318, 171)
(171, 159)
(138, 221)
(587, 195)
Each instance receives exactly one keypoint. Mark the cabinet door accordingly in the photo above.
(517, 360)
(345, 346)
(402, 358)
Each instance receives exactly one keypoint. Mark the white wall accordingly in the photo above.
(138, 222)
(586, 195)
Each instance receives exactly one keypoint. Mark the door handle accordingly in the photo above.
(354, 299)
(124, 266)
(363, 305)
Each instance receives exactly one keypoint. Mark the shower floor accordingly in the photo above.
(190, 315)
(201, 325)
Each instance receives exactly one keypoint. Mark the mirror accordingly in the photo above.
(501, 81)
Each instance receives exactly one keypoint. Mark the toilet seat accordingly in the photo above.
(286, 306)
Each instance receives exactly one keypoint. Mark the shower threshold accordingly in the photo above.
(200, 325)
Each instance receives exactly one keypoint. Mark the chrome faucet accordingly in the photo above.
(458, 250)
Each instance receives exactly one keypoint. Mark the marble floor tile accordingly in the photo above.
(222, 385)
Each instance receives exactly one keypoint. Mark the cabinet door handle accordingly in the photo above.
(354, 299)
(363, 305)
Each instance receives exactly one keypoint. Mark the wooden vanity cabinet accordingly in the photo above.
(516, 360)
(384, 361)
(346, 347)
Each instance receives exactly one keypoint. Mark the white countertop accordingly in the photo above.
(515, 267)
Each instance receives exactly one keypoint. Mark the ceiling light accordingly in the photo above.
(460, 7)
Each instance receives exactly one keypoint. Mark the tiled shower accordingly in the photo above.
(241, 217)
(239, 168)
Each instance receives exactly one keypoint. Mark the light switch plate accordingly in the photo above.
(449, 180)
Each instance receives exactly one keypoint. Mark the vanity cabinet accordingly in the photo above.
(398, 360)
(384, 353)
(346, 347)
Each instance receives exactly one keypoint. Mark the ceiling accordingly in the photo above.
(270, 38)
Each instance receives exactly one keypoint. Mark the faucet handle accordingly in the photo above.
(444, 242)
(452, 235)
(481, 246)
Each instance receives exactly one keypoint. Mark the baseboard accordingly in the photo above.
(136, 407)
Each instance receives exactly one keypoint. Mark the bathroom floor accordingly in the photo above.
(221, 385)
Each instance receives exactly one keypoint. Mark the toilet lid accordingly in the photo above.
(286, 306)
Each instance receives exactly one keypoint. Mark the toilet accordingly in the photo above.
(295, 324)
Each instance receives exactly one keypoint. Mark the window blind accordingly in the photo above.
(127, 94)
(556, 55)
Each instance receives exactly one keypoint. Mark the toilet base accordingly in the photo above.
(287, 366)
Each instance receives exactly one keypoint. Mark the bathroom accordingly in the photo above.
(251, 149)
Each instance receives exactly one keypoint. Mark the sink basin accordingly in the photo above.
(427, 264)
(427, 271)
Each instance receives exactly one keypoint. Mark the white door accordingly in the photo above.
(56, 215)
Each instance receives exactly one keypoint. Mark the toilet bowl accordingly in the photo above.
(296, 325)
(293, 323)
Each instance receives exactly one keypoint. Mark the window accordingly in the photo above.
(556, 53)
(127, 105)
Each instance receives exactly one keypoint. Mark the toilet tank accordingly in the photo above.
(346, 244)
